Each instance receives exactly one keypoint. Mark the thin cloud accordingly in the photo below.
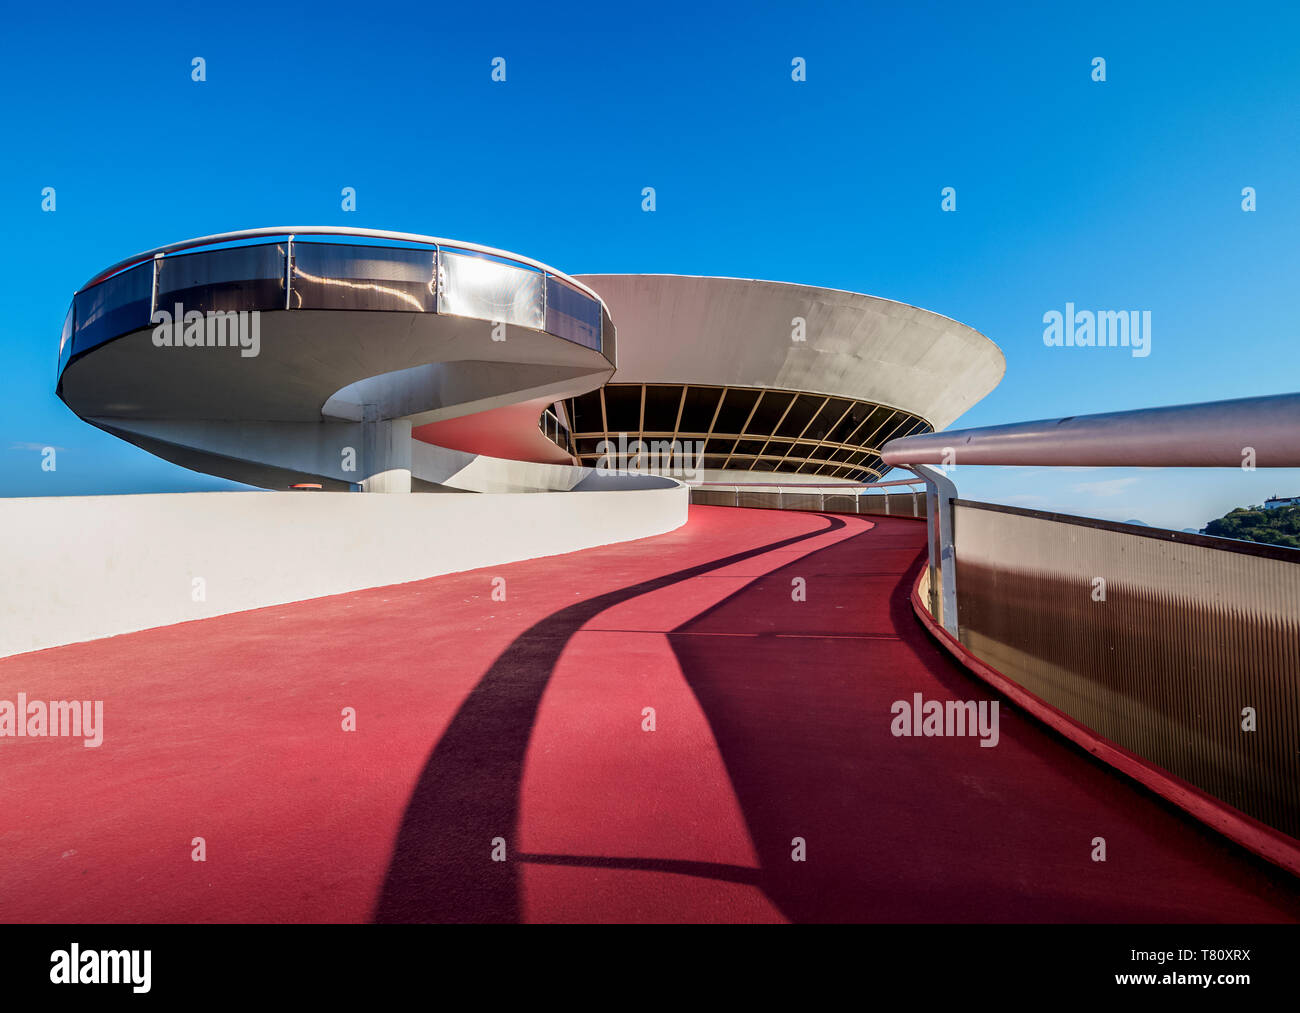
(34, 446)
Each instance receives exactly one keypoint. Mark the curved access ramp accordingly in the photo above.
(651, 731)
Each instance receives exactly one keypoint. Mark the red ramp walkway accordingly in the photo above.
(523, 720)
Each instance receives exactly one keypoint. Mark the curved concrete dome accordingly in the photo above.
(680, 329)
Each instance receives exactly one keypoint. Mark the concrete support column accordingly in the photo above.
(385, 462)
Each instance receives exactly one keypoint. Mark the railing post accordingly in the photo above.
(153, 295)
(939, 494)
(288, 272)
(437, 278)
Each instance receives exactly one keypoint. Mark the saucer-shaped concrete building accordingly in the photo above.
(383, 361)
(789, 380)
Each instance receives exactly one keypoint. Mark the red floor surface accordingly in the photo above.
(522, 720)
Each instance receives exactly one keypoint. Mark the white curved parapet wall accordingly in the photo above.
(84, 567)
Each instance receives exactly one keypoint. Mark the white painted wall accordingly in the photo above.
(83, 567)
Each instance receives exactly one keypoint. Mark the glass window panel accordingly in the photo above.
(900, 426)
(331, 276)
(800, 414)
(241, 278)
(697, 412)
(817, 451)
(714, 461)
(608, 336)
(65, 339)
(891, 427)
(749, 447)
(826, 418)
(584, 413)
(661, 404)
(114, 307)
(769, 411)
(489, 290)
(846, 425)
(735, 410)
(623, 407)
(778, 448)
(572, 314)
(872, 422)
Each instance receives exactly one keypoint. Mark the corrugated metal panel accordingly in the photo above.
(1189, 633)
(895, 504)
(899, 504)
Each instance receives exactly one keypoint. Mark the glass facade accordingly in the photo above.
(572, 314)
(305, 275)
(744, 428)
(554, 429)
(121, 304)
(487, 289)
(65, 339)
(337, 276)
(241, 278)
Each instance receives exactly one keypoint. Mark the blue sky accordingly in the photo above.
(1117, 195)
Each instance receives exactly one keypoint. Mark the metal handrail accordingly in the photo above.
(334, 230)
(1213, 434)
(1107, 699)
(1259, 432)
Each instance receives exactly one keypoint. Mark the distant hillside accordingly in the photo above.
(1255, 524)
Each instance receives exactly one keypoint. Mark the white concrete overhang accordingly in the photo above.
(739, 332)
